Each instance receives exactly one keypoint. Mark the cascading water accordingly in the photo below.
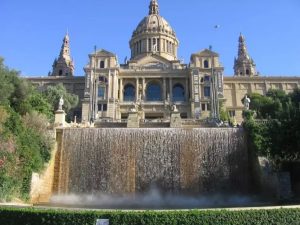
(132, 161)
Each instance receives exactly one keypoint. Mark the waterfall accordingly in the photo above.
(177, 161)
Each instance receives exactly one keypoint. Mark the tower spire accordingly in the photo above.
(244, 64)
(65, 48)
(153, 8)
(242, 52)
(64, 66)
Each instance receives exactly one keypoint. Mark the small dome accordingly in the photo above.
(154, 23)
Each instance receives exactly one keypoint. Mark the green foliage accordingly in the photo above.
(31, 151)
(36, 102)
(53, 94)
(6, 84)
(24, 143)
(12, 216)
(279, 137)
(223, 113)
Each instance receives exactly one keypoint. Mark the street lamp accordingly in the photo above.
(215, 114)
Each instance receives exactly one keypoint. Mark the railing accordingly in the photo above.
(154, 121)
(111, 120)
(194, 121)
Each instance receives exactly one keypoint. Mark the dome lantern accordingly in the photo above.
(153, 8)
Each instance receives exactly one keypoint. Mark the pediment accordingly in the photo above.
(206, 53)
(153, 62)
(103, 52)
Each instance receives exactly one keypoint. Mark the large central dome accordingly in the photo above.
(154, 35)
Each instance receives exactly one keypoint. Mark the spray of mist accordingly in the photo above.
(151, 200)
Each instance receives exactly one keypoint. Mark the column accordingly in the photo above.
(186, 94)
(113, 86)
(161, 45)
(235, 102)
(147, 44)
(143, 91)
(173, 48)
(109, 86)
(170, 88)
(121, 90)
(116, 84)
(136, 89)
(164, 89)
(95, 113)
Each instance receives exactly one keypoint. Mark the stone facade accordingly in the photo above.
(154, 79)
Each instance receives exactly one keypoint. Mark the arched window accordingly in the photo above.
(178, 93)
(206, 64)
(129, 93)
(153, 92)
(247, 72)
(60, 72)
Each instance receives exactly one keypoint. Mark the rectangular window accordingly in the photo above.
(208, 107)
(203, 107)
(140, 46)
(104, 107)
(149, 45)
(232, 113)
(101, 92)
(99, 107)
(206, 91)
(158, 45)
(102, 64)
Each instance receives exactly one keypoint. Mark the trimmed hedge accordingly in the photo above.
(33, 216)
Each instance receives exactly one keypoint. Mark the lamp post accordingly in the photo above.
(215, 112)
(94, 100)
(214, 92)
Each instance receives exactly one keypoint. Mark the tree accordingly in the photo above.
(6, 84)
(25, 143)
(53, 94)
(279, 139)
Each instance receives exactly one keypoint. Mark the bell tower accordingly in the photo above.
(64, 66)
(244, 64)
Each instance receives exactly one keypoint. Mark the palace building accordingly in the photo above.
(154, 79)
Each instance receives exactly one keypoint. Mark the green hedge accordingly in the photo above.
(31, 216)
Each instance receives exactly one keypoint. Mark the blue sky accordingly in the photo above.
(32, 30)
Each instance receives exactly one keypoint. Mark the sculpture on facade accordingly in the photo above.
(174, 108)
(134, 107)
(246, 102)
(60, 103)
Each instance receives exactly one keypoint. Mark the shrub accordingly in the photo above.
(31, 216)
